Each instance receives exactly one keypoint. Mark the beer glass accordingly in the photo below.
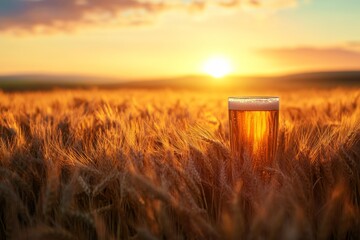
(253, 130)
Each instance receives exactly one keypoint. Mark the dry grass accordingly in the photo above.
(132, 164)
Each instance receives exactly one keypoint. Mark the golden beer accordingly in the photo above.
(253, 130)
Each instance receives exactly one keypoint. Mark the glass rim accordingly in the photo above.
(255, 97)
(254, 103)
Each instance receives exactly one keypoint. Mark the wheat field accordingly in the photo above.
(154, 164)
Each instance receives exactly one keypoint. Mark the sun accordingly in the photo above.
(217, 67)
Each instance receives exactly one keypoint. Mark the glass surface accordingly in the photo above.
(254, 125)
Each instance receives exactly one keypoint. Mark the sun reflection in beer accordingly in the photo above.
(256, 129)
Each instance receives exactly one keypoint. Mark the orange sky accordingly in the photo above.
(145, 39)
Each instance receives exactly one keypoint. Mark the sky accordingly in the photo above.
(138, 39)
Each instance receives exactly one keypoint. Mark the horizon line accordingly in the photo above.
(124, 78)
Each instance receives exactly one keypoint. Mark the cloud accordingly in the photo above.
(313, 58)
(64, 14)
(53, 15)
(354, 44)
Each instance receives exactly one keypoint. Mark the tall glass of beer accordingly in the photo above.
(253, 130)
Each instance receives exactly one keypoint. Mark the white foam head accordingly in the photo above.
(254, 103)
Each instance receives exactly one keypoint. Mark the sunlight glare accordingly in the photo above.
(217, 67)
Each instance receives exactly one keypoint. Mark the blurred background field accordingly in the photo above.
(138, 163)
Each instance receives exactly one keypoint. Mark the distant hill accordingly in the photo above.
(325, 78)
(315, 79)
(48, 82)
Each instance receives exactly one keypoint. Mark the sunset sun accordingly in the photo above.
(217, 67)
